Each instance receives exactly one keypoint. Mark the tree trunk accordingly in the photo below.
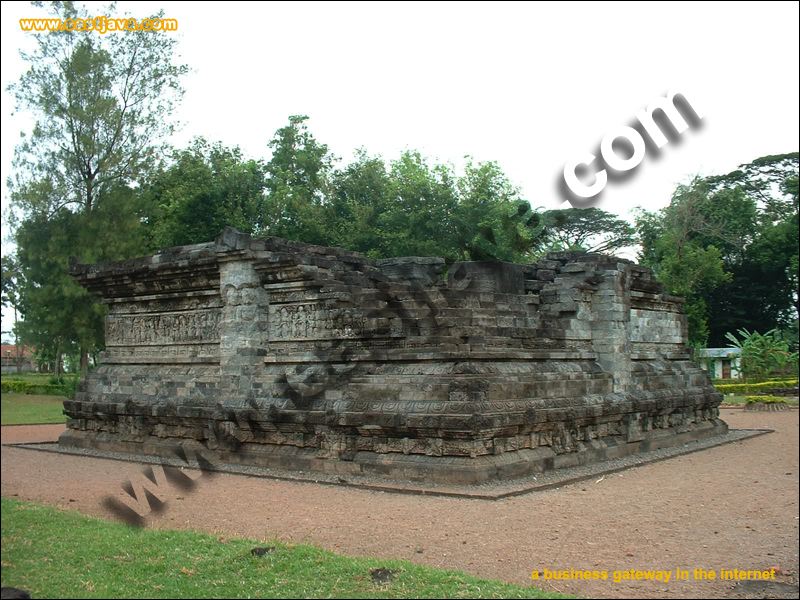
(57, 366)
(84, 362)
(16, 342)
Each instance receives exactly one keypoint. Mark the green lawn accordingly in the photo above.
(56, 554)
(19, 409)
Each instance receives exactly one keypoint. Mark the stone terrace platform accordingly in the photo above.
(285, 355)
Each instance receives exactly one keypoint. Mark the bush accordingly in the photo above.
(765, 400)
(752, 380)
(754, 388)
(764, 354)
(67, 388)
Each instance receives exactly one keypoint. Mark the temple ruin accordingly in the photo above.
(293, 356)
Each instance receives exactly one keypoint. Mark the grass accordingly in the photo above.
(21, 409)
(57, 554)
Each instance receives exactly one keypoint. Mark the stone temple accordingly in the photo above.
(293, 356)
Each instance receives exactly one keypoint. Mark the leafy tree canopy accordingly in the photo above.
(590, 229)
(730, 245)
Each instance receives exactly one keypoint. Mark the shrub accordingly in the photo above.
(754, 388)
(765, 400)
(67, 388)
(763, 354)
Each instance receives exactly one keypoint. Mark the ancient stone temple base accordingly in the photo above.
(299, 357)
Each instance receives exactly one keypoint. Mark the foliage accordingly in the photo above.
(492, 221)
(589, 229)
(753, 388)
(675, 246)
(762, 291)
(20, 386)
(762, 178)
(58, 554)
(791, 333)
(731, 400)
(408, 207)
(765, 400)
(762, 354)
(416, 219)
(58, 315)
(725, 381)
(101, 106)
(204, 188)
(11, 281)
(729, 244)
(297, 185)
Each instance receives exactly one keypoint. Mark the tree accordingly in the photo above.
(674, 247)
(417, 208)
(589, 229)
(101, 104)
(492, 220)
(730, 244)
(297, 185)
(206, 188)
(12, 281)
(59, 316)
(361, 192)
(417, 219)
(762, 292)
(409, 206)
(771, 181)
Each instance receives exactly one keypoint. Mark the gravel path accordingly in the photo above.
(733, 506)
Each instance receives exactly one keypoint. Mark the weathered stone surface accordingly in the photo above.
(296, 356)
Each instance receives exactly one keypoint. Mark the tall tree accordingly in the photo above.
(58, 316)
(762, 291)
(410, 206)
(297, 185)
(730, 244)
(417, 220)
(673, 247)
(101, 105)
(361, 192)
(414, 207)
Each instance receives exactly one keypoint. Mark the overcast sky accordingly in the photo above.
(527, 85)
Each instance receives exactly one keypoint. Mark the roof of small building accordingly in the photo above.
(720, 352)
(11, 350)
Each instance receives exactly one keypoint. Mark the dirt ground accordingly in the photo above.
(730, 507)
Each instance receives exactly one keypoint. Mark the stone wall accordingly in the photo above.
(295, 356)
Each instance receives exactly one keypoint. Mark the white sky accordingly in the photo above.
(527, 85)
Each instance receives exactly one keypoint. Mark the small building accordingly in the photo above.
(722, 363)
(16, 359)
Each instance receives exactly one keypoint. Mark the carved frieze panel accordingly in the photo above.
(312, 321)
(163, 328)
